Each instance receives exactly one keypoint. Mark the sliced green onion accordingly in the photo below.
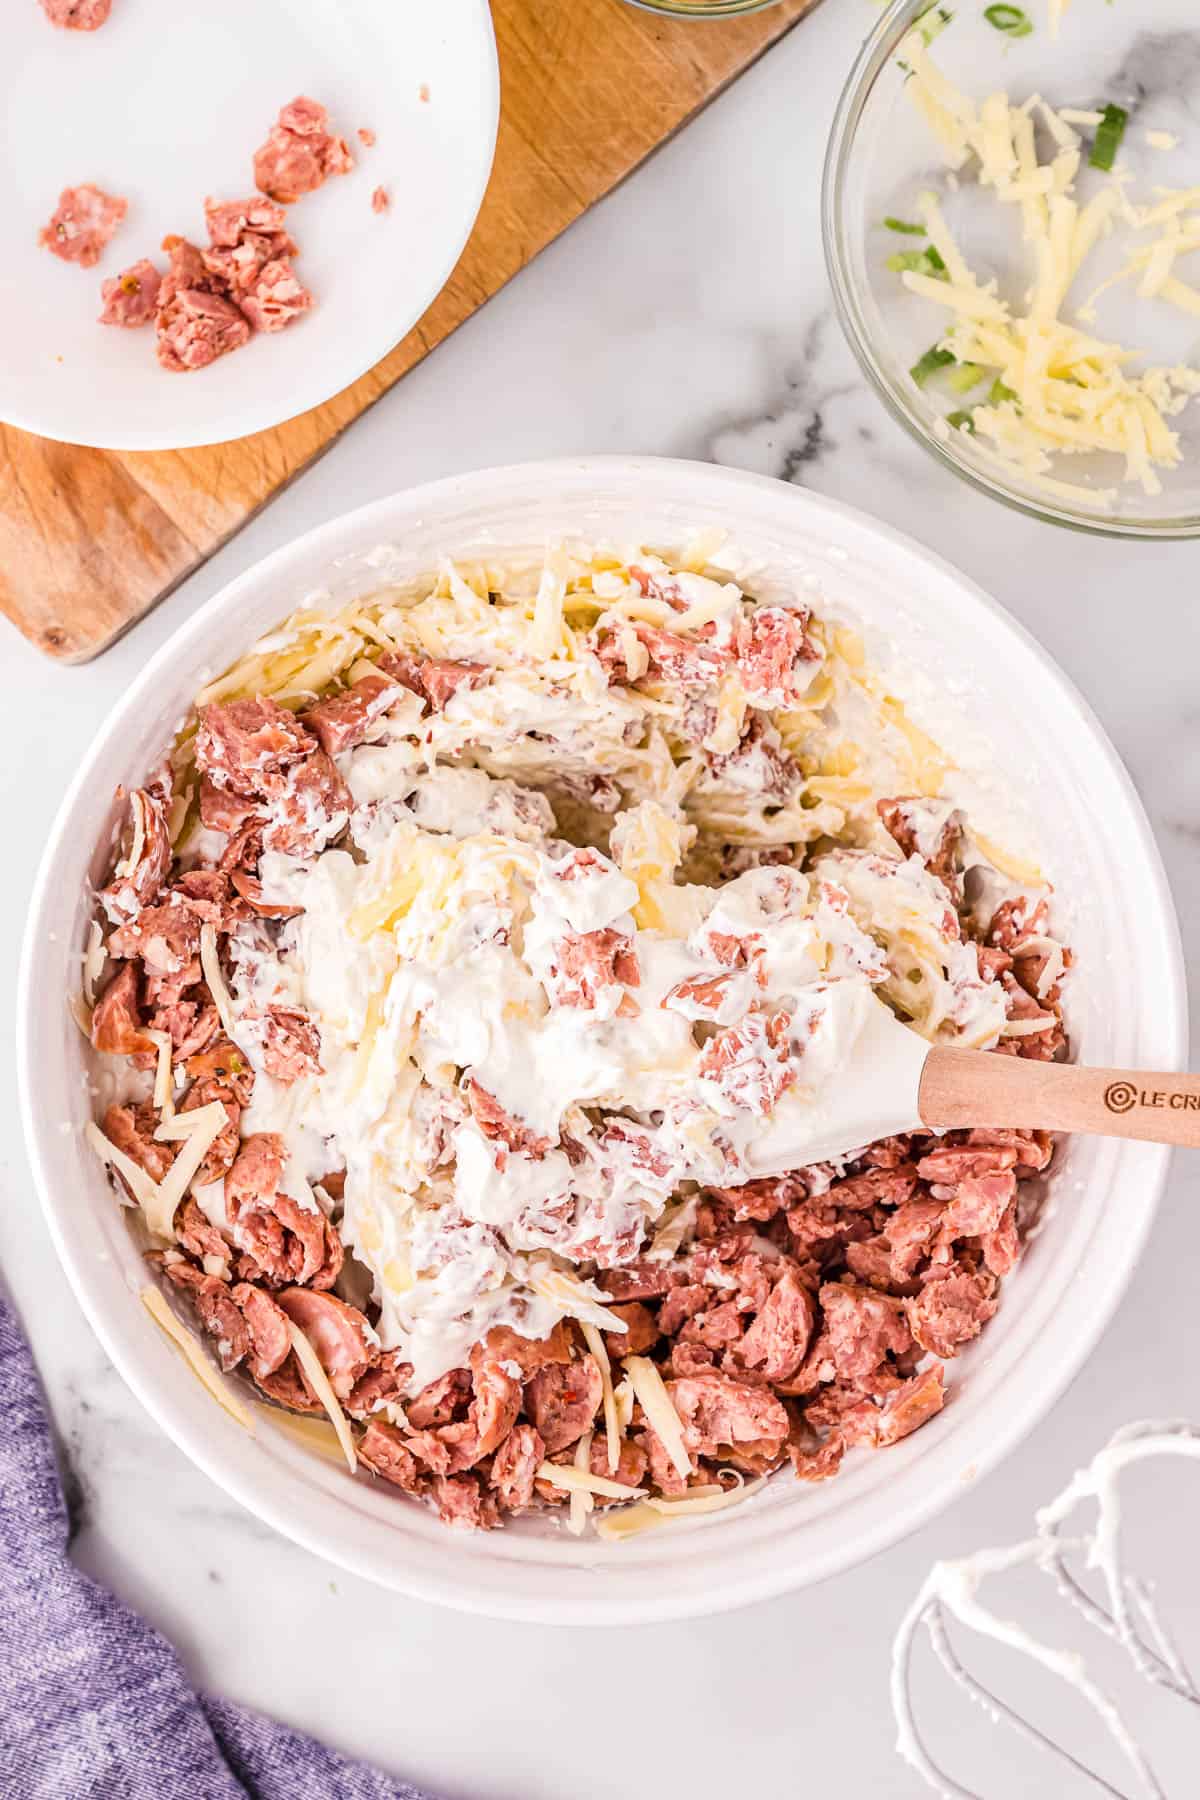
(965, 377)
(1012, 20)
(961, 421)
(933, 22)
(929, 364)
(1109, 133)
(998, 393)
(903, 225)
(919, 262)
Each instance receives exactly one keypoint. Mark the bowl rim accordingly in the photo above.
(263, 1492)
(872, 59)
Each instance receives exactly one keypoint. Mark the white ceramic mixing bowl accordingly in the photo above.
(986, 680)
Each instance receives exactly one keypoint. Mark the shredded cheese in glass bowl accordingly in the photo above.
(1012, 225)
(453, 964)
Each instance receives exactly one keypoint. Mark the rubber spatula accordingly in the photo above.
(900, 1083)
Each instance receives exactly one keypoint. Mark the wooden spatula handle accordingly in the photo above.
(967, 1087)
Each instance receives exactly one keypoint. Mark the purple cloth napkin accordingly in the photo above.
(94, 1704)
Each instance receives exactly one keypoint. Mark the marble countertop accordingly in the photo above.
(615, 340)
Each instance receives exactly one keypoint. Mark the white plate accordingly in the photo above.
(999, 689)
(166, 104)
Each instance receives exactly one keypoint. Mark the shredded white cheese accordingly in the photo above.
(164, 1083)
(582, 1501)
(651, 1514)
(137, 809)
(573, 1480)
(210, 962)
(612, 1428)
(576, 1298)
(195, 1358)
(95, 956)
(655, 1402)
(1061, 391)
(159, 1200)
(310, 1362)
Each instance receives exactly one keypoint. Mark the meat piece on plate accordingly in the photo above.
(82, 224)
(250, 888)
(861, 1327)
(776, 1343)
(632, 1464)
(1002, 1247)
(514, 1466)
(764, 1198)
(300, 153)
(275, 296)
(761, 766)
(380, 200)
(775, 654)
(461, 1502)
(930, 829)
(440, 1400)
(198, 1235)
(585, 962)
(910, 1406)
(131, 298)
(951, 1309)
(224, 809)
(562, 1400)
(910, 1232)
(504, 1345)
(979, 1204)
(493, 1412)
(242, 742)
(131, 1129)
(266, 1323)
(186, 268)
(224, 1147)
(344, 721)
(195, 328)
(117, 1027)
(751, 1063)
(223, 1059)
(382, 1448)
(77, 15)
(167, 938)
(336, 1331)
(717, 1412)
(384, 1381)
(191, 1025)
(229, 222)
(142, 870)
(291, 1044)
(307, 806)
(874, 1187)
(499, 1125)
(641, 1331)
(245, 238)
(435, 678)
(219, 1313)
(1016, 920)
(285, 1243)
(687, 662)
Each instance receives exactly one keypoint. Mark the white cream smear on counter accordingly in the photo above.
(435, 955)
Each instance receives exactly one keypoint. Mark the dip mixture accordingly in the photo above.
(456, 959)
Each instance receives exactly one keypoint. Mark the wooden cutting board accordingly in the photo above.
(90, 540)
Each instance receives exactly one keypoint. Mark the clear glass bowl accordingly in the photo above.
(881, 155)
(702, 9)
